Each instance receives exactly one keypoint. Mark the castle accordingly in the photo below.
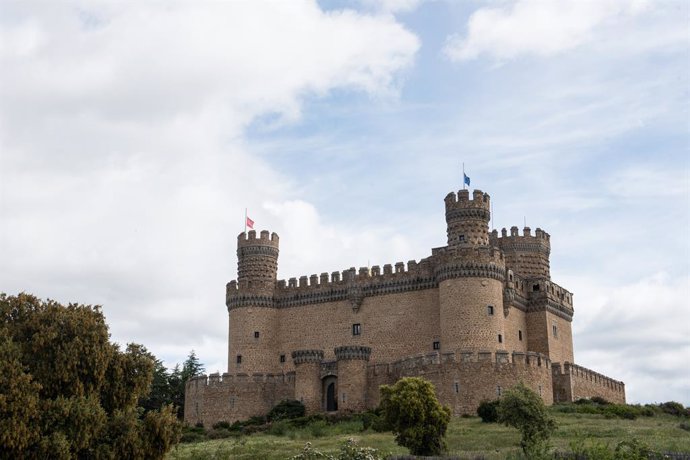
(476, 317)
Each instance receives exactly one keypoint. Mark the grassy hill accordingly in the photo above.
(467, 437)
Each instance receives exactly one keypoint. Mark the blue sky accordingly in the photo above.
(133, 136)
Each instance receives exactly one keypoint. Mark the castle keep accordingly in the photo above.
(475, 317)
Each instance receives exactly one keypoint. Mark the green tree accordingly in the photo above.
(524, 409)
(67, 392)
(411, 409)
(159, 393)
(178, 378)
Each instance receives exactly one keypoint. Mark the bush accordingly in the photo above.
(223, 424)
(417, 418)
(374, 419)
(488, 411)
(674, 408)
(286, 409)
(684, 426)
(599, 400)
(218, 433)
(524, 409)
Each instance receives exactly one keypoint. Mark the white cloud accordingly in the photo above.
(544, 28)
(637, 332)
(124, 172)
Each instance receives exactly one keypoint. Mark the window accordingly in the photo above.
(498, 390)
(356, 329)
(520, 335)
(239, 359)
(256, 334)
(344, 397)
(282, 358)
(490, 310)
(500, 338)
(555, 331)
(535, 287)
(437, 345)
(462, 238)
(540, 390)
(456, 387)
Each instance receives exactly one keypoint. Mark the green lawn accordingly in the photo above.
(467, 438)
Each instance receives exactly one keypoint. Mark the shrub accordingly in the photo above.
(279, 428)
(673, 408)
(374, 419)
(286, 409)
(417, 418)
(684, 426)
(524, 409)
(218, 433)
(223, 424)
(599, 400)
(318, 428)
(488, 411)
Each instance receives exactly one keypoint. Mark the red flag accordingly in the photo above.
(250, 223)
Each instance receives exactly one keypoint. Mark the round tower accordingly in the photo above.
(468, 220)
(526, 254)
(470, 274)
(251, 307)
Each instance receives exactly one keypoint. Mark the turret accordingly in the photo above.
(251, 308)
(470, 276)
(468, 219)
(526, 254)
(257, 261)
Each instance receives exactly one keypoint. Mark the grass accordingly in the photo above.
(466, 438)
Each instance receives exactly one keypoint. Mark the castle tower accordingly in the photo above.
(251, 308)
(470, 276)
(308, 378)
(468, 220)
(352, 377)
(525, 254)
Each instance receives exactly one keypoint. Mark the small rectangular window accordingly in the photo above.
(498, 390)
(535, 287)
(500, 338)
(490, 310)
(462, 238)
(282, 358)
(344, 397)
(520, 335)
(239, 359)
(356, 329)
(456, 387)
(256, 334)
(555, 331)
(437, 345)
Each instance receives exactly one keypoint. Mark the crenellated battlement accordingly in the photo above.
(462, 200)
(462, 358)
(527, 241)
(265, 238)
(526, 254)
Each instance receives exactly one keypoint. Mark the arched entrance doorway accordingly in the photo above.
(330, 393)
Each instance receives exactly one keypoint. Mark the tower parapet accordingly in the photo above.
(257, 264)
(468, 219)
(526, 254)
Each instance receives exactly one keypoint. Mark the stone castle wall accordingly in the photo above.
(572, 382)
(229, 398)
(462, 380)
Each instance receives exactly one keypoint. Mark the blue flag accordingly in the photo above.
(466, 179)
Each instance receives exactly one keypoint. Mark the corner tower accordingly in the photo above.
(470, 276)
(468, 220)
(251, 307)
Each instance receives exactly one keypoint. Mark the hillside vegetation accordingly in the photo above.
(467, 438)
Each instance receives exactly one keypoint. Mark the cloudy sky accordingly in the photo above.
(134, 134)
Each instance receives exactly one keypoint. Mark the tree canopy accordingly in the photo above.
(66, 391)
(419, 421)
(524, 409)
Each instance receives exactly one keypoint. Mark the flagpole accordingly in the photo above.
(245, 220)
(463, 175)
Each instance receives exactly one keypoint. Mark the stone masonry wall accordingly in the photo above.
(463, 380)
(214, 399)
(572, 382)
